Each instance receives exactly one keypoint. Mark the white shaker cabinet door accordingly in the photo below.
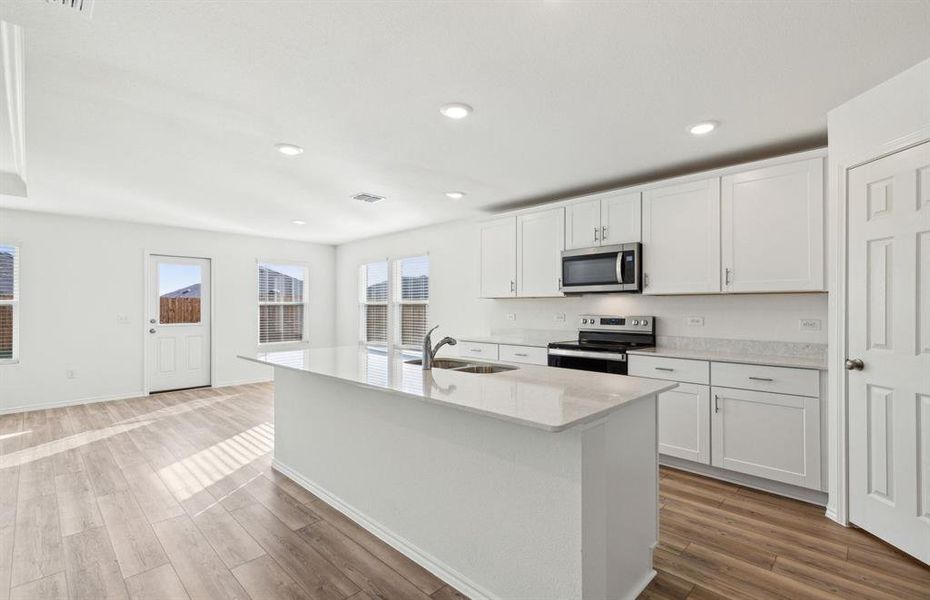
(621, 218)
(684, 422)
(540, 241)
(775, 436)
(583, 224)
(773, 228)
(499, 258)
(681, 238)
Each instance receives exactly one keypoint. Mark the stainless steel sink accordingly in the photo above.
(485, 369)
(463, 366)
(442, 363)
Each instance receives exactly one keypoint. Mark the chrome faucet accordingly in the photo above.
(429, 353)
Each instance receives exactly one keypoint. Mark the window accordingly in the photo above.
(394, 301)
(373, 296)
(282, 303)
(178, 293)
(9, 303)
(412, 297)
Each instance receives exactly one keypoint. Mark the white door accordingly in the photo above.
(179, 323)
(888, 324)
(499, 258)
(684, 422)
(775, 436)
(540, 241)
(773, 238)
(681, 238)
(621, 219)
(583, 224)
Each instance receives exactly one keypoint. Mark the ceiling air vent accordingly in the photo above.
(370, 198)
(84, 7)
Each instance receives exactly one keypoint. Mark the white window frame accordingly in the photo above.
(393, 303)
(17, 294)
(305, 326)
(364, 303)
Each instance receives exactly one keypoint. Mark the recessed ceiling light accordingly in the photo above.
(455, 110)
(288, 149)
(455, 195)
(703, 128)
(298, 222)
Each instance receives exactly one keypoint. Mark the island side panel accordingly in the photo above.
(494, 505)
(620, 501)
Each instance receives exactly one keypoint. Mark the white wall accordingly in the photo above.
(78, 274)
(454, 302)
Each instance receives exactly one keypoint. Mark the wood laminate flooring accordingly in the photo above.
(172, 496)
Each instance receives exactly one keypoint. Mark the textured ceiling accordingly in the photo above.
(166, 112)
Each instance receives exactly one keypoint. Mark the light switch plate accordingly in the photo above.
(122, 319)
(511, 316)
(809, 324)
(695, 321)
(559, 317)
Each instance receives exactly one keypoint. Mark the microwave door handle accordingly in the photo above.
(620, 267)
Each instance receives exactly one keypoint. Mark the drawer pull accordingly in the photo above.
(669, 369)
(524, 354)
(476, 349)
(761, 378)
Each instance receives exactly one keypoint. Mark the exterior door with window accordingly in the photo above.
(178, 323)
(888, 322)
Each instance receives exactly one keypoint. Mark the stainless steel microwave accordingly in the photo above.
(614, 268)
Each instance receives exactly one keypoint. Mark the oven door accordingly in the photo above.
(605, 269)
(602, 362)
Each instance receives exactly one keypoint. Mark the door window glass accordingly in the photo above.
(178, 293)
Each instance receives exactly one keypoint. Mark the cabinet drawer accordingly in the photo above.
(781, 380)
(674, 369)
(478, 350)
(524, 354)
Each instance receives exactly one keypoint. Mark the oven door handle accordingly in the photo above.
(611, 356)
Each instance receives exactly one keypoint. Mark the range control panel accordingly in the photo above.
(615, 323)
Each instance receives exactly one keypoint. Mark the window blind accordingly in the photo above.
(281, 302)
(373, 296)
(412, 299)
(9, 302)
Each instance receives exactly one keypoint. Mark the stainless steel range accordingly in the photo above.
(602, 343)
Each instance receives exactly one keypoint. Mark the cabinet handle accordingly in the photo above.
(475, 349)
(513, 286)
(664, 369)
(595, 233)
(762, 379)
(603, 232)
(645, 280)
(726, 275)
(524, 354)
(716, 403)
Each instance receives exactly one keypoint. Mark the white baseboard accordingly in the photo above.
(74, 402)
(399, 543)
(242, 382)
(642, 585)
(750, 481)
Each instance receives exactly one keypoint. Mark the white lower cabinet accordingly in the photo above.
(684, 422)
(775, 436)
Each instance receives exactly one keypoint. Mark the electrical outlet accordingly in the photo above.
(122, 319)
(71, 374)
(695, 321)
(511, 316)
(559, 317)
(809, 324)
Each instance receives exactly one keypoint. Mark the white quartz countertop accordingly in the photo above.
(547, 398)
(536, 339)
(772, 360)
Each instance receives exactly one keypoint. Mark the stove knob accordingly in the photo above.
(584, 321)
(645, 321)
(635, 321)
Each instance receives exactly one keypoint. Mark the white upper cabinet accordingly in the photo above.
(583, 224)
(681, 238)
(499, 258)
(773, 228)
(540, 241)
(604, 219)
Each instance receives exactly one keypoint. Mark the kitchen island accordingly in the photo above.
(536, 482)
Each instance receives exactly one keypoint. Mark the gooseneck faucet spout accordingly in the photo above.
(429, 352)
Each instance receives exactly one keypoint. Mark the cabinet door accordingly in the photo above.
(681, 238)
(772, 233)
(621, 219)
(775, 436)
(499, 258)
(583, 224)
(540, 241)
(684, 422)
